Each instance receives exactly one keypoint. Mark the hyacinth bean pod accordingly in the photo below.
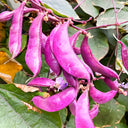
(73, 40)
(91, 61)
(41, 82)
(43, 42)
(33, 54)
(65, 55)
(71, 80)
(72, 107)
(94, 111)
(15, 35)
(124, 54)
(82, 116)
(101, 97)
(113, 85)
(6, 15)
(55, 102)
(49, 56)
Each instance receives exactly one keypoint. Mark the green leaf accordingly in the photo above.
(109, 113)
(20, 78)
(109, 17)
(106, 4)
(13, 4)
(44, 68)
(87, 7)
(14, 113)
(98, 44)
(61, 8)
(123, 100)
(120, 125)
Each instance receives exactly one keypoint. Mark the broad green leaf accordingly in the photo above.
(123, 100)
(106, 4)
(110, 113)
(119, 63)
(13, 4)
(98, 43)
(120, 125)
(16, 112)
(20, 78)
(61, 7)
(87, 7)
(63, 115)
(108, 17)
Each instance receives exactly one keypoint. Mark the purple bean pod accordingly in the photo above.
(113, 85)
(94, 111)
(41, 82)
(55, 102)
(71, 80)
(101, 97)
(65, 55)
(26, 10)
(6, 15)
(73, 40)
(82, 116)
(91, 61)
(72, 107)
(15, 35)
(43, 42)
(124, 54)
(33, 54)
(49, 56)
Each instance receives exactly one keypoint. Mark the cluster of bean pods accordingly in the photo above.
(61, 56)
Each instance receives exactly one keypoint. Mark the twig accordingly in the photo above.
(78, 4)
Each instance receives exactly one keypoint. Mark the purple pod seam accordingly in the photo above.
(15, 35)
(91, 61)
(33, 54)
(82, 116)
(94, 111)
(101, 97)
(55, 102)
(65, 55)
(113, 85)
(41, 82)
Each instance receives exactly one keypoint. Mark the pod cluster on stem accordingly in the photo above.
(61, 55)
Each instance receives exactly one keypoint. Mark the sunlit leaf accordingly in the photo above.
(106, 4)
(16, 111)
(87, 7)
(61, 7)
(8, 68)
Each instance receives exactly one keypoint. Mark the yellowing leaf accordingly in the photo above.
(120, 66)
(26, 88)
(8, 68)
(30, 107)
